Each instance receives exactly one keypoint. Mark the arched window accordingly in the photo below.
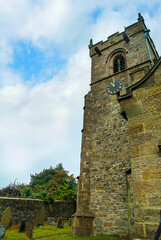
(118, 63)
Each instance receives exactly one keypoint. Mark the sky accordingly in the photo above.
(45, 73)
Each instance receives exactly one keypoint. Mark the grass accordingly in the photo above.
(82, 238)
(49, 232)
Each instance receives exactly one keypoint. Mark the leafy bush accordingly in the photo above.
(25, 190)
(63, 187)
(10, 191)
(56, 182)
(46, 175)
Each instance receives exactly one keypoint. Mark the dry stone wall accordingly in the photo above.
(28, 208)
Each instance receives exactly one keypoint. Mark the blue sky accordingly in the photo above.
(45, 73)
(35, 64)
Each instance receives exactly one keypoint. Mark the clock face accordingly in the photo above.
(114, 86)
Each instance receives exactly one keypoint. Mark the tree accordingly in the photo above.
(59, 184)
(62, 186)
(46, 175)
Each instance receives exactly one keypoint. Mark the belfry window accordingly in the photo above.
(118, 63)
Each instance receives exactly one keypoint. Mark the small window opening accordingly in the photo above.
(118, 63)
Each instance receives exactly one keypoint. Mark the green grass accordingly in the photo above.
(49, 232)
(41, 232)
(82, 238)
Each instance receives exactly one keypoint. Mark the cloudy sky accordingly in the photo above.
(45, 73)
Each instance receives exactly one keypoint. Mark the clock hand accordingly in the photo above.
(113, 84)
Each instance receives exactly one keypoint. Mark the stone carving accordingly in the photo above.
(2, 231)
(6, 217)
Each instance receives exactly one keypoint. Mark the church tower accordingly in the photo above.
(120, 174)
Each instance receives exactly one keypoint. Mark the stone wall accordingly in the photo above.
(110, 162)
(144, 123)
(27, 208)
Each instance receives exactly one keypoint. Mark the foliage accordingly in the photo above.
(49, 185)
(53, 183)
(62, 186)
(26, 191)
(46, 175)
(10, 191)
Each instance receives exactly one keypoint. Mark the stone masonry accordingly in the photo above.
(119, 192)
(26, 208)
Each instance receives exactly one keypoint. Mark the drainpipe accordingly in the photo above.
(146, 35)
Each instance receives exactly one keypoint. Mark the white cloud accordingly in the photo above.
(46, 20)
(36, 123)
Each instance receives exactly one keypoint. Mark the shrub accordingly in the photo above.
(10, 191)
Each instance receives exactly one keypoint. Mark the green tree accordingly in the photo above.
(62, 186)
(52, 184)
(39, 179)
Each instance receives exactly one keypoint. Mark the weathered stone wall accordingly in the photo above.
(28, 208)
(83, 220)
(61, 209)
(144, 119)
(110, 162)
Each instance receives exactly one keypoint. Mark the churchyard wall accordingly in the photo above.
(23, 208)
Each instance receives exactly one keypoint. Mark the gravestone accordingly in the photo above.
(51, 221)
(6, 217)
(2, 231)
(29, 229)
(60, 223)
(41, 217)
(35, 221)
(22, 225)
(70, 222)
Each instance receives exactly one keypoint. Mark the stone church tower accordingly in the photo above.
(119, 190)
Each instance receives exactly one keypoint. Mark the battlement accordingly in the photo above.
(118, 37)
